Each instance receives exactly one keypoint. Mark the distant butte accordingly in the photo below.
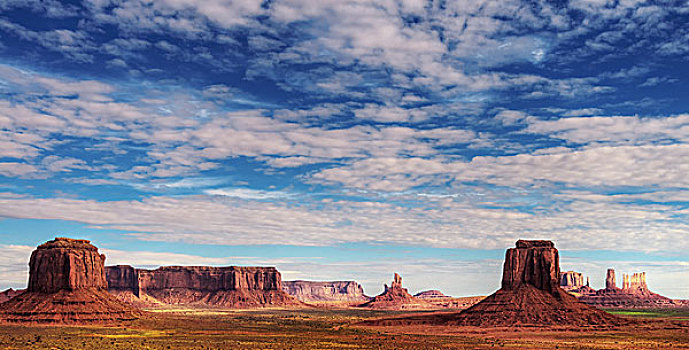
(395, 297)
(633, 294)
(344, 292)
(66, 285)
(530, 296)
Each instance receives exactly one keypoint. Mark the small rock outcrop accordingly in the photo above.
(395, 297)
(326, 292)
(530, 295)
(10, 293)
(66, 285)
(431, 295)
(442, 301)
(226, 286)
(633, 294)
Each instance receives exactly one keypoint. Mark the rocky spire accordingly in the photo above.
(636, 281)
(610, 280)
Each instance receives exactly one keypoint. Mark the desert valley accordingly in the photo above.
(344, 174)
(74, 301)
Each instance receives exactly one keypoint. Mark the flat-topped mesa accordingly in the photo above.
(431, 294)
(610, 281)
(66, 263)
(326, 291)
(67, 284)
(570, 280)
(524, 244)
(532, 262)
(231, 286)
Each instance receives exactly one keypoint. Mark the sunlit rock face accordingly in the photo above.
(67, 284)
(230, 286)
(325, 291)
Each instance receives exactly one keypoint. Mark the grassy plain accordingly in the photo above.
(334, 329)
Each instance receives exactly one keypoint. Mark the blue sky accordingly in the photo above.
(349, 139)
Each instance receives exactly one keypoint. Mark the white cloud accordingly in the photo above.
(620, 130)
(14, 263)
(247, 193)
(436, 221)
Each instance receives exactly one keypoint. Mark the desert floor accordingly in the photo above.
(334, 329)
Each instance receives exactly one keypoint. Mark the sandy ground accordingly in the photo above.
(335, 329)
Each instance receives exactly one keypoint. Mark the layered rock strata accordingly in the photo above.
(530, 295)
(326, 292)
(66, 285)
(227, 286)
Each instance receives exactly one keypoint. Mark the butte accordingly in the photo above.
(66, 285)
(530, 296)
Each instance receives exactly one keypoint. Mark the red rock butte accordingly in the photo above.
(66, 285)
(530, 296)
(633, 294)
(395, 297)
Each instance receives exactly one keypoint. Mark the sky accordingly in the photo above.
(349, 139)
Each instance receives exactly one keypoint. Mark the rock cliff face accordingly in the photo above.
(66, 284)
(68, 264)
(570, 280)
(319, 292)
(395, 297)
(633, 294)
(530, 295)
(534, 263)
(637, 282)
(610, 281)
(228, 286)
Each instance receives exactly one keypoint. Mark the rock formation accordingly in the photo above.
(636, 282)
(610, 282)
(570, 280)
(530, 295)
(431, 294)
(633, 294)
(395, 297)
(438, 300)
(227, 286)
(10, 293)
(66, 284)
(573, 283)
(326, 292)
